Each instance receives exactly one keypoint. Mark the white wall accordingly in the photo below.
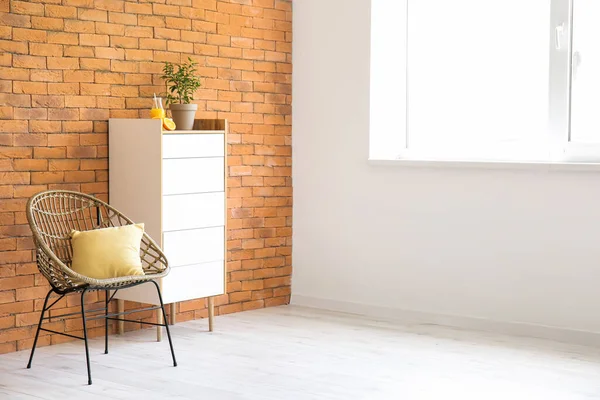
(518, 246)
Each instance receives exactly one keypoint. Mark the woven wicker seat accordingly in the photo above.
(52, 215)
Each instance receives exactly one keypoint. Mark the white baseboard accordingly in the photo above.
(471, 323)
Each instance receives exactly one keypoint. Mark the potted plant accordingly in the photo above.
(181, 82)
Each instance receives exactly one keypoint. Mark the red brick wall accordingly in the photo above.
(66, 66)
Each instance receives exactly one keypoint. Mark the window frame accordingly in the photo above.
(559, 147)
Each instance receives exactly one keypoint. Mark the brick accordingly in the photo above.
(98, 164)
(204, 26)
(155, 44)
(27, 319)
(242, 42)
(274, 56)
(110, 5)
(29, 35)
(81, 152)
(26, 61)
(17, 282)
(80, 176)
(47, 101)
(134, 8)
(78, 51)
(16, 100)
(89, 39)
(13, 126)
(124, 91)
(229, 308)
(13, 47)
(151, 21)
(110, 53)
(8, 321)
(15, 307)
(77, 126)
(30, 114)
(179, 23)
(30, 87)
(110, 29)
(49, 153)
(18, 256)
(163, 9)
(78, 76)
(93, 15)
(23, 21)
(46, 76)
(80, 26)
(138, 55)
(124, 18)
(93, 114)
(195, 37)
(253, 305)
(44, 49)
(61, 114)
(167, 33)
(240, 296)
(63, 38)
(139, 31)
(93, 139)
(110, 77)
(124, 66)
(207, 50)
(57, 11)
(95, 64)
(49, 24)
(63, 140)
(180, 47)
(14, 177)
(80, 101)
(63, 63)
(63, 165)
(46, 177)
(277, 301)
(123, 42)
(6, 112)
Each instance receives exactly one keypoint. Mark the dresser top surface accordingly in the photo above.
(201, 126)
(192, 132)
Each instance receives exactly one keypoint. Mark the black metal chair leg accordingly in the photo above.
(162, 306)
(106, 324)
(87, 351)
(37, 333)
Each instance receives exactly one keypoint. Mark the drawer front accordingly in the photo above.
(194, 246)
(193, 175)
(192, 211)
(189, 145)
(194, 282)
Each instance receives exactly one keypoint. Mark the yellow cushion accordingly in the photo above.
(108, 253)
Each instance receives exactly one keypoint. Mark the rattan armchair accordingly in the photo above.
(52, 215)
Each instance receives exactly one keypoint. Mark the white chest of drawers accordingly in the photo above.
(175, 183)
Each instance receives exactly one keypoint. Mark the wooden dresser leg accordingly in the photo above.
(211, 313)
(173, 313)
(121, 308)
(159, 320)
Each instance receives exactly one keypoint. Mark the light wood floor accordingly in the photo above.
(290, 353)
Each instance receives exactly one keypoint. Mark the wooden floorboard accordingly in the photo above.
(299, 353)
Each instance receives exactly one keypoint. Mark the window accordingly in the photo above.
(485, 80)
